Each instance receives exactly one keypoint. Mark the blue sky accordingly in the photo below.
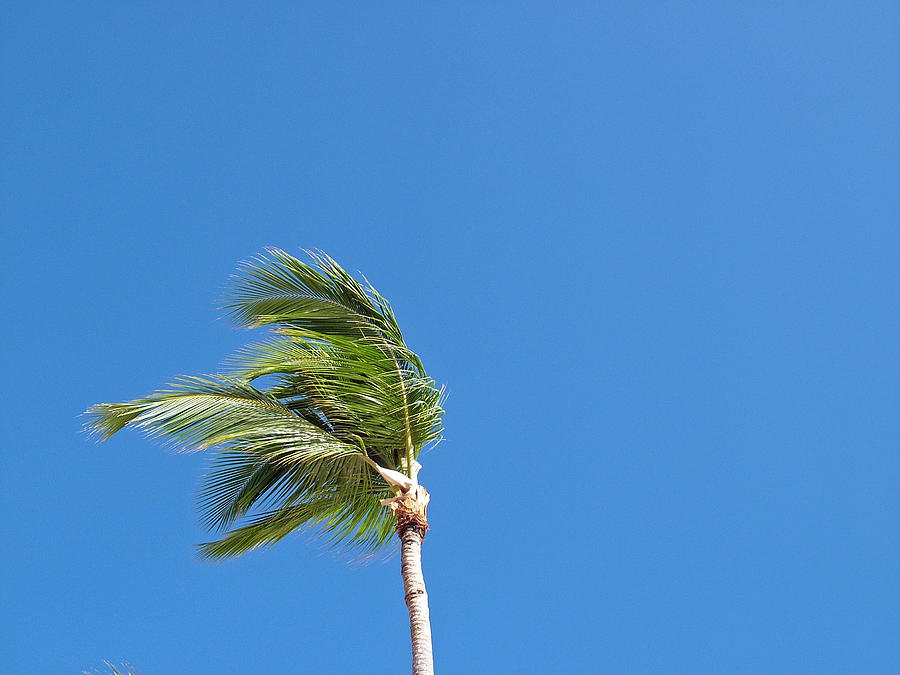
(651, 250)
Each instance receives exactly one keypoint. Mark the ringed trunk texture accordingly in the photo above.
(411, 527)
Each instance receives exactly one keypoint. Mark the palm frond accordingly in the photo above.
(198, 413)
(114, 669)
(301, 417)
(282, 289)
(360, 389)
(341, 520)
(236, 483)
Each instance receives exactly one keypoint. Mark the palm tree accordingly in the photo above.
(113, 669)
(318, 428)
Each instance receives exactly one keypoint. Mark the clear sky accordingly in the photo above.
(651, 250)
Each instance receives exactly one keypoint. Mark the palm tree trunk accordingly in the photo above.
(416, 600)
(411, 526)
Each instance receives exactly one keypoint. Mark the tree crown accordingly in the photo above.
(297, 422)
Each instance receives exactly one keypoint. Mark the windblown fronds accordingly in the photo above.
(299, 418)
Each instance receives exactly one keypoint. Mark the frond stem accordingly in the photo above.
(365, 455)
(409, 445)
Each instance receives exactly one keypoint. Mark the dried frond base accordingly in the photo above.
(410, 511)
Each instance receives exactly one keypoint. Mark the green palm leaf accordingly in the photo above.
(299, 420)
(328, 301)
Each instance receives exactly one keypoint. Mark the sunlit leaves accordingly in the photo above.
(299, 415)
